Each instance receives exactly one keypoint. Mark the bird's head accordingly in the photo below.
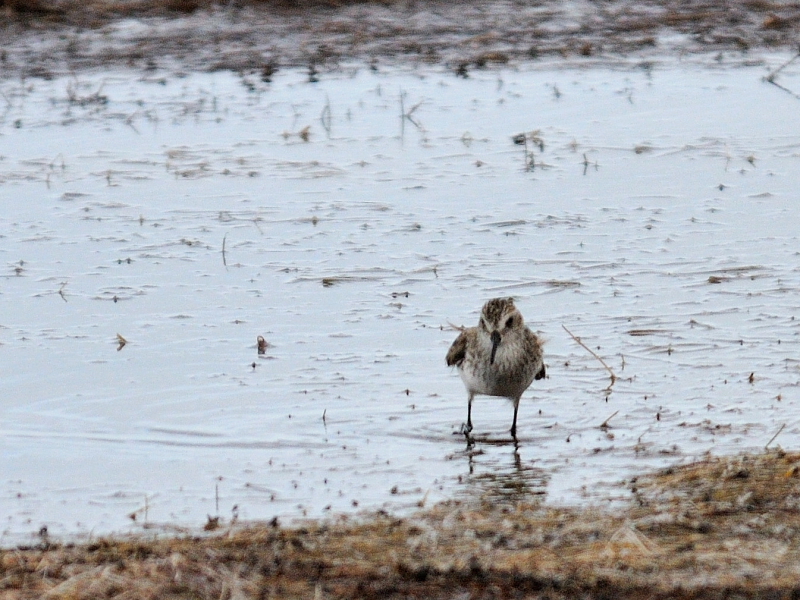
(499, 318)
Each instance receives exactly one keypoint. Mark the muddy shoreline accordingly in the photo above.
(714, 529)
(51, 39)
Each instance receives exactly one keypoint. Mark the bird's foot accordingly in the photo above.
(466, 428)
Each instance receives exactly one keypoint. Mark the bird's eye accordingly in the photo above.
(510, 322)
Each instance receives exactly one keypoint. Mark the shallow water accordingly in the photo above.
(191, 214)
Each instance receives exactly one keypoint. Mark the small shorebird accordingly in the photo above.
(499, 357)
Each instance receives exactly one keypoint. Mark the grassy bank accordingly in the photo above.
(45, 38)
(720, 528)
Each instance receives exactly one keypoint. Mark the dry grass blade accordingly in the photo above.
(593, 353)
(325, 117)
(770, 77)
(408, 115)
(224, 260)
(709, 529)
(772, 439)
(604, 424)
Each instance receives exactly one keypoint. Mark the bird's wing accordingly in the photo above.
(457, 352)
(534, 345)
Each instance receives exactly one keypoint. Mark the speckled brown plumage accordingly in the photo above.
(499, 357)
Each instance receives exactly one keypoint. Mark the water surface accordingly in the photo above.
(652, 213)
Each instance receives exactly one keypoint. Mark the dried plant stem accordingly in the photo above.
(325, 116)
(604, 424)
(593, 353)
(772, 439)
(770, 78)
(774, 72)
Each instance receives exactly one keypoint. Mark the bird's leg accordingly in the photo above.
(469, 414)
(470, 441)
(514, 423)
(467, 427)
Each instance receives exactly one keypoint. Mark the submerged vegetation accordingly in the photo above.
(721, 527)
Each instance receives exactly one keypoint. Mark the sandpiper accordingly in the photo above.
(499, 357)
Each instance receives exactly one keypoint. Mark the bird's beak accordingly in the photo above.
(495, 343)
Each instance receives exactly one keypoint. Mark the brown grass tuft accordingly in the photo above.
(722, 527)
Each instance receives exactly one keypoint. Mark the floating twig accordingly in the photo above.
(407, 115)
(593, 353)
(604, 424)
(143, 510)
(785, 89)
(770, 78)
(774, 72)
(325, 116)
(53, 162)
(522, 139)
(586, 164)
(772, 439)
